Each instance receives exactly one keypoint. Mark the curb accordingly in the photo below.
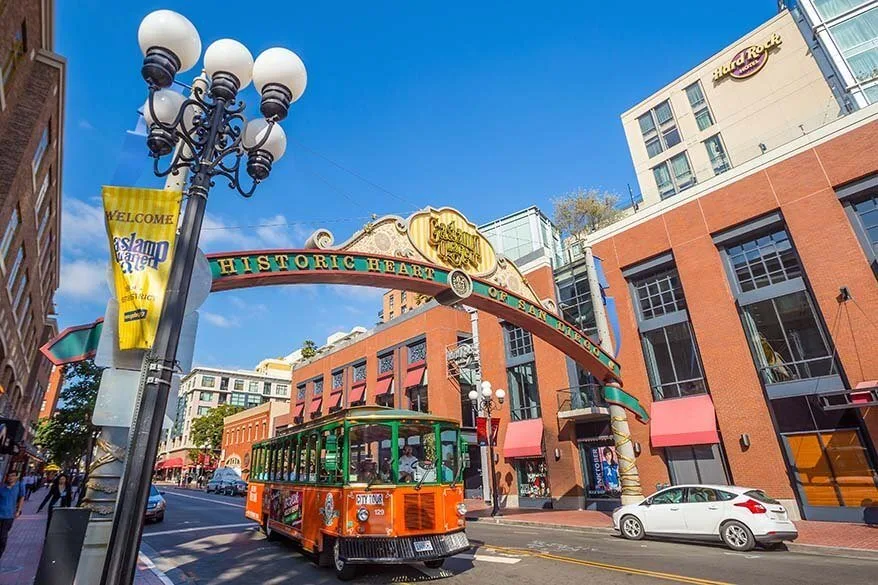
(810, 549)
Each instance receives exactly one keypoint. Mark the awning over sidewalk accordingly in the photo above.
(524, 438)
(172, 463)
(385, 385)
(415, 376)
(358, 392)
(683, 421)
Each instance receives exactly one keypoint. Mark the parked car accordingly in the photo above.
(155, 505)
(741, 517)
(222, 477)
(235, 487)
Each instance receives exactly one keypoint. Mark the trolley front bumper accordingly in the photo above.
(402, 549)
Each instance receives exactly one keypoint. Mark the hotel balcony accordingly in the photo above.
(582, 403)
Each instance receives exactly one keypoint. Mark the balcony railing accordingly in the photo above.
(582, 402)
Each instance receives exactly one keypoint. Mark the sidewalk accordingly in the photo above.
(25, 545)
(833, 538)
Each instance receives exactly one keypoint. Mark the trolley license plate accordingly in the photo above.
(423, 546)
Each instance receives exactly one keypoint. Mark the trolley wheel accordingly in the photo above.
(344, 570)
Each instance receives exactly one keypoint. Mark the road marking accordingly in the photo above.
(204, 499)
(488, 559)
(737, 554)
(617, 568)
(197, 528)
(147, 562)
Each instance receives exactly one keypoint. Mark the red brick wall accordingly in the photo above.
(239, 436)
(801, 188)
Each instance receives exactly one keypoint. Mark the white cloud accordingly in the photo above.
(271, 232)
(218, 320)
(358, 293)
(85, 125)
(252, 308)
(84, 280)
(82, 228)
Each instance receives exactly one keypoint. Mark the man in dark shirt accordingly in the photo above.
(11, 501)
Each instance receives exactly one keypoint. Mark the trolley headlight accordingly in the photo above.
(461, 509)
(362, 514)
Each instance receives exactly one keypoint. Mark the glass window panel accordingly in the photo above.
(858, 40)
(653, 146)
(385, 363)
(703, 119)
(832, 8)
(660, 294)
(646, 123)
(9, 233)
(695, 95)
(670, 496)
(671, 137)
(717, 154)
(663, 180)
(418, 457)
(682, 171)
(417, 352)
(359, 373)
(523, 391)
(867, 212)
(663, 112)
(533, 479)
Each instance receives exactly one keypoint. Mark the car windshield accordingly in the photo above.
(761, 496)
(153, 492)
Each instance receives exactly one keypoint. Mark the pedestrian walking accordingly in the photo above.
(60, 494)
(11, 501)
(26, 483)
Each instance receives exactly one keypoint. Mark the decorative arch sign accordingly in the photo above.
(436, 252)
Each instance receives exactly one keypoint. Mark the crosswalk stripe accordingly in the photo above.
(488, 558)
(197, 528)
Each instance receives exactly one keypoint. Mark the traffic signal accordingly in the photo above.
(11, 434)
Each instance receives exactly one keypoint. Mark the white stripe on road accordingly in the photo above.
(488, 559)
(197, 528)
(147, 562)
(212, 501)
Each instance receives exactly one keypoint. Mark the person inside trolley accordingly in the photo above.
(407, 465)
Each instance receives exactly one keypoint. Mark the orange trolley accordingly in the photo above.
(365, 485)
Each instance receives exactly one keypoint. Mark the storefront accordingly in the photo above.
(533, 483)
(600, 465)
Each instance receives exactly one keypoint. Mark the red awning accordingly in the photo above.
(414, 376)
(300, 409)
(335, 399)
(358, 392)
(683, 421)
(524, 438)
(170, 463)
(385, 385)
(315, 405)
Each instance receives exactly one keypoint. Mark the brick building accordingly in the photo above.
(31, 138)
(242, 429)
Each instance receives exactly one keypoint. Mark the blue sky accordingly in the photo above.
(489, 107)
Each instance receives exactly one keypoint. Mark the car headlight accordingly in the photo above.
(160, 505)
(362, 514)
(461, 509)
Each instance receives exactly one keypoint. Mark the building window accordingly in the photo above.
(16, 266)
(385, 399)
(533, 478)
(208, 381)
(9, 234)
(864, 216)
(698, 464)
(205, 396)
(659, 129)
(300, 392)
(574, 299)
(16, 52)
(385, 363)
(785, 335)
(41, 192)
(717, 154)
(24, 314)
(467, 412)
(318, 387)
(417, 352)
(523, 391)
(856, 38)
(202, 410)
(224, 383)
(390, 300)
(359, 373)
(251, 386)
(40, 152)
(519, 342)
(238, 399)
(266, 388)
(20, 287)
(673, 176)
(699, 106)
(338, 379)
(238, 385)
(831, 8)
(253, 400)
(44, 223)
(283, 390)
(402, 297)
(669, 351)
(417, 397)
(660, 294)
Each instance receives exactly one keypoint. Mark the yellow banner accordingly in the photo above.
(142, 227)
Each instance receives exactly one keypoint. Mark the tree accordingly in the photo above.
(69, 434)
(309, 349)
(578, 213)
(207, 431)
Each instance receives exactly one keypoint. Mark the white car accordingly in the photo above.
(741, 517)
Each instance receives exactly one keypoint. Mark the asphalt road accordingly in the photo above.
(206, 539)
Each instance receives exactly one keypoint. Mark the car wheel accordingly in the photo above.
(631, 527)
(435, 564)
(343, 570)
(737, 536)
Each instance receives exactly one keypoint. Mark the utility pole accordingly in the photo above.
(628, 475)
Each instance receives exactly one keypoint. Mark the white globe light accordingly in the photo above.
(473, 395)
(282, 66)
(486, 384)
(166, 105)
(500, 394)
(172, 31)
(256, 129)
(229, 56)
(486, 392)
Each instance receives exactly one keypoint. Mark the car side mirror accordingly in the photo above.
(647, 503)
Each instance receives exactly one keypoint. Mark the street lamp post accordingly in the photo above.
(208, 136)
(483, 402)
